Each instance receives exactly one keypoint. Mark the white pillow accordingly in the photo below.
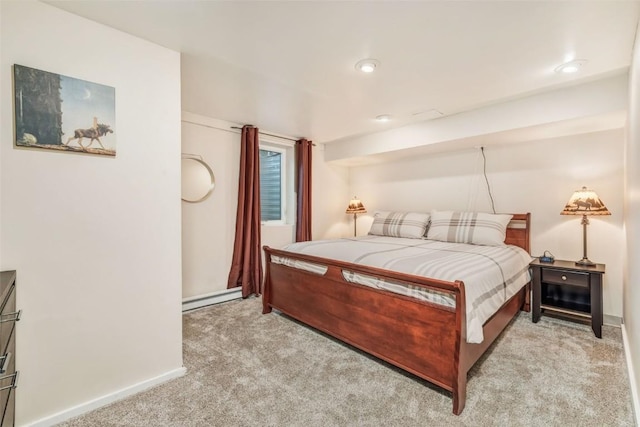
(399, 224)
(469, 227)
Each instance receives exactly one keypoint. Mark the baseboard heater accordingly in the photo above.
(199, 301)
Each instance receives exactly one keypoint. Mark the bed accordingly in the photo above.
(427, 337)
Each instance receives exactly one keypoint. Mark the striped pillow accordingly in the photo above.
(469, 227)
(399, 224)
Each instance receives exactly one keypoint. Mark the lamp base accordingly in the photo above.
(586, 262)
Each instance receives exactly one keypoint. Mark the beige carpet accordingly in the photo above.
(249, 369)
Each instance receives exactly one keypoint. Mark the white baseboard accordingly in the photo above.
(225, 295)
(107, 399)
(631, 373)
(611, 320)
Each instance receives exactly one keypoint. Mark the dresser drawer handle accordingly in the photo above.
(14, 383)
(564, 277)
(5, 363)
(15, 318)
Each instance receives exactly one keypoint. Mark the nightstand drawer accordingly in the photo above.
(562, 277)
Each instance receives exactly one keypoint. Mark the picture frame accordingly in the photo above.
(62, 113)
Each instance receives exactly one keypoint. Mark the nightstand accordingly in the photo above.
(567, 290)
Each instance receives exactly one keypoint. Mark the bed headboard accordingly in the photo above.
(518, 231)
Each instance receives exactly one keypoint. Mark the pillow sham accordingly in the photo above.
(475, 228)
(412, 225)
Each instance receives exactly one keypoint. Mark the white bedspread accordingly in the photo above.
(491, 274)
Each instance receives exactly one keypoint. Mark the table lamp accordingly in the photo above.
(355, 207)
(585, 202)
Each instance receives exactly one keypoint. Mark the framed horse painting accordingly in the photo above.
(57, 112)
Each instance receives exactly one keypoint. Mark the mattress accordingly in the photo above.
(491, 274)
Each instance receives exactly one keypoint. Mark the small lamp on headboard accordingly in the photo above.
(585, 202)
(355, 207)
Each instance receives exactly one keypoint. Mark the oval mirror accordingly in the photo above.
(198, 180)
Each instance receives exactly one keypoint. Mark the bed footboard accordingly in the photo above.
(419, 337)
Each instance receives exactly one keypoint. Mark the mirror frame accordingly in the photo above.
(211, 175)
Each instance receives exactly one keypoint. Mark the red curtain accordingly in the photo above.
(303, 165)
(246, 265)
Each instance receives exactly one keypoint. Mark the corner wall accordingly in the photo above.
(331, 195)
(631, 294)
(95, 240)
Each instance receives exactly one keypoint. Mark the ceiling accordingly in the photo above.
(289, 67)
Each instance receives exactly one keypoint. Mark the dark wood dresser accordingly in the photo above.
(8, 374)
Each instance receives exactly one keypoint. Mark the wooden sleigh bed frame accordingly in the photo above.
(425, 339)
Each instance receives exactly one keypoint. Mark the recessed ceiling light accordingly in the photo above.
(367, 65)
(383, 118)
(571, 66)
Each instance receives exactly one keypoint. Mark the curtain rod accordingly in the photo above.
(270, 134)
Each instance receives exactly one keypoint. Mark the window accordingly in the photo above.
(277, 192)
(272, 168)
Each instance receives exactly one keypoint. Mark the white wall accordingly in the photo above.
(215, 88)
(331, 195)
(632, 224)
(528, 177)
(208, 227)
(95, 240)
